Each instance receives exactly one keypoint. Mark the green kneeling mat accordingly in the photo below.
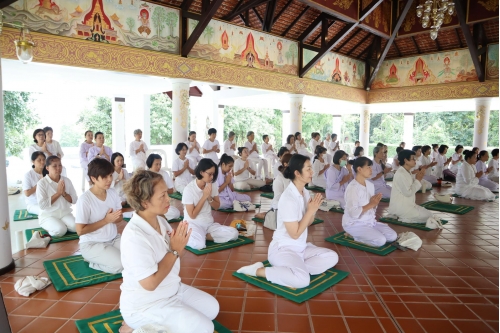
(458, 196)
(179, 219)
(23, 215)
(389, 179)
(176, 195)
(342, 239)
(112, 321)
(337, 210)
(420, 226)
(250, 190)
(385, 200)
(315, 188)
(73, 272)
(318, 284)
(69, 235)
(316, 221)
(269, 195)
(230, 210)
(214, 247)
(447, 207)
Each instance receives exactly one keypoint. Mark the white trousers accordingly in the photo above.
(376, 236)
(33, 209)
(172, 213)
(58, 226)
(180, 184)
(103, 256)
(219, 233)
(431, 179)
(249, 184)
(189, 311)
(293, 269)
(273, 157)
(260, 164)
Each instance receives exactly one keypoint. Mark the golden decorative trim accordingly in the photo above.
(431, 92)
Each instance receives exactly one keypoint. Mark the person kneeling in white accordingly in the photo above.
(97, 212)
(244, 168)
(404, 187)
(152, 292)
(55, 194)
(198, 198)
(361, 202)
(467, 184)
(293, 260)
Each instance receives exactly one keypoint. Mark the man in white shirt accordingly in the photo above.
(268, 150)
(211, 147)
(253, 155)
(138, 149)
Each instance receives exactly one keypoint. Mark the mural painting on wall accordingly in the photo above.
(413, 25)
(123, 22)
(236, 45)
(379, 21)
(336, 68)
(492, 62)
(343, 9)
(436, 68)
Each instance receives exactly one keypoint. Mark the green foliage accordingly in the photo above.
(315, 122)
(71, 136)
(350, 126)
(387, 128)
(97, 117)
(18, 120)
(159, 17)
(208, 33)
(293, 52)
(171, 20)
(493, 129)
(450, 128)
(130, 23)
(161, 119)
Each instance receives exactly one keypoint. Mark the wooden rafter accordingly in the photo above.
(311, 28)
(282, 10)
(243, 8)
(458, 38)
(366, 49)
(302, 13)
(319, 35)
(258, 16)
(438, 46)
(347, 40)
(397, 48)
(416, 44)
(185, 4)
(269, 18)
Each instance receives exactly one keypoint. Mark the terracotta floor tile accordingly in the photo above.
(410, 326)
(63, 310)
(485, 312)
(288, 307)
(258, 322)
(230, 304)
(356, 309)
(262, 305)
(44, 325)
(231, 292)
(424, 310)
(50, 293)
(324, 324)
(17, 323)
(299, 324)
(69, 327)
(472, 326)
(324, 308)
(81, 295)
(106, 296)
(34, 307)
(363, 325)
(438, 326)
(91, 310)
(231, 320)
(12, 303)
(457, 311)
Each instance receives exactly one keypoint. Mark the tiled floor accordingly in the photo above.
(449, 285)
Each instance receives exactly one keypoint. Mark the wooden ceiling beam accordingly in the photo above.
(269, 18)
(258, 16)
(458, 38)
(416, 45)
(319, 35)
(306, 8)
(239, 9)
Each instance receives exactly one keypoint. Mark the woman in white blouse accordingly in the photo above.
(361, 202)
(427, 163)
(253, 155)
(442, 161)
(194, 148)
(84, 151)
(98, 211)
(456, 159)
(40, 143)
(154, 164)
(482, 158)
(152, 292)
(31, 178)
(230, 145)
(99, 150)
(293, 259)
(183, 168)
(137, 151)
(467, 185)
(281, 153)
(52, 145)
(211, 147)
(120, 176)
(290, 144)
(493, 163)
(243, 170)
(338, 176)
(334, 144)
(320, 165)
(301, 146)
(378, 173)
(268, 151)
(55, 195)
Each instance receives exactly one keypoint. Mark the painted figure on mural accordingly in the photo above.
(144, 19)
(420, 74)
(47, 6)
(318, 68)
(250, 59)
(224, 39)
(347, 79)
(447, 71)
(337, 74)
(96, 31)
(280, 54)
(392, 78)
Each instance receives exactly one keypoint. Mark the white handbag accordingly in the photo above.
(37, 241)
(271, 219)
(410, 240)
(243, 206)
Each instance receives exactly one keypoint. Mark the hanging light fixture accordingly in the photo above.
(435, 10)
(24, 43)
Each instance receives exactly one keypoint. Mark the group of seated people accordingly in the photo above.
(152, 291)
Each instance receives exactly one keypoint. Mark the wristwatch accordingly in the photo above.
(210, 200)
(175, 253)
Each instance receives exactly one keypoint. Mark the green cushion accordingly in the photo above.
(337, 210)
(230, 210)
(420, 226)
(315, 188)
(67, 237)
(23, 215)
(342, 239)
(269, 195)
(214, 247)
(316, 221)
(447, 207)
(176, 195)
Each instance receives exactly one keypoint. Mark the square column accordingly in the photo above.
(180, 111)
(137, 116)
(118, 110)
(285, 127)
(337, 127)
(409, 119)
(364, 129)
(296, 113)
(481, 123)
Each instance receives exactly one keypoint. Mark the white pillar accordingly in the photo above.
(337, 127)
(218, 122)
(364, 129)
(296, 113)
(118, 111)
(409, 119)
(6, 261)
(198, 116)
(481, 123)
(284, 127)
(137, 116)
(180, 111)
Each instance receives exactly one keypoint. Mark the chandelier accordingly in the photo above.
(435, 10)
(24, 43)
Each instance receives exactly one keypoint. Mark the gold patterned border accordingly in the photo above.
(457, 90)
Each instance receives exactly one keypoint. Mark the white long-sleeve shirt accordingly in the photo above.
(55, 148)
(45, 189)
(134, 145)
(249, 145)
(356, 196)
(94, 151)
(227, 148)
(494, 173)
(84, 149)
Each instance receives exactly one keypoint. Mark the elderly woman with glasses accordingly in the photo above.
(198, 198)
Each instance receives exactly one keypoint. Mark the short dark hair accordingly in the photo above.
(151, 158)
(264, 137)
(97, 133)
(442, 148)
(458, 147)
(356, 142)
(297, 134)
(191, 133)
(398, 149)
(250, 133)
(358, 150)
(402, 143)
(226, 159)
(38, 130)
(296, 164)
(212, 131)
(333, 135)
(282, 151)
(318, 151)
(338, 155)
(35, 155)
(285, 159)
(231, 133)
(361, 162)
(494, 152)
(99, 167)
(434, 145)
(87, 132)
(47, 128)
(114, 156)
(204, 165)
(416, 148)
(468, 154)
(425, 149)
(240, 150)
(179, 147)
(48, 162)
(289, 137)
(481, 154)
(380, 144)
(405, 155)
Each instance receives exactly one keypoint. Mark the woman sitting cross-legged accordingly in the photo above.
(199, 197)
(182, 167)
(152, 292)
(281, 153)
(243, 169)
(379, 172)
(484, 180)
(419, 167)
(55, 195)
(320, 165)
(120, 176)
(225, 182)
(30, 181)
(338, 176)
(427, 163)
(404, 187)
(361, 202)
(153, 163)
(493, 163)
(467, 184)
(97, 212)
(292, 258)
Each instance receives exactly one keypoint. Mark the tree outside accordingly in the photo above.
(97, 118)
(171, 21)
(161, 119)
(159, 18)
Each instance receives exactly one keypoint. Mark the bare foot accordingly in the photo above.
(125, 328)
(260, 215)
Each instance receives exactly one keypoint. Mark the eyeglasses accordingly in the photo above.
(209, 174)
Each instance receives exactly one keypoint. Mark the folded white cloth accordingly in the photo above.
(151, 328)
(243, 206)
(446, 198)
(326, 205)
(37, 241)
(30, 284)
(434, 223)
(128, 215)
(410, 240)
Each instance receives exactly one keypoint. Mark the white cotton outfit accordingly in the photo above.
(203, 223)
(35, 147)
(493, 175)
(55, 148)
(280, 184)
(30, 180)
(313, 144)
(467, 184)
(84, 161)
(425, 184)
(173, 212)
(208, 145)
(276, 169)
(363, 227)
(227, 148)
(138, 159)
(271, 154)
(192, 309)
(317, 179)
(184, 178)
(335, 191)
(302, 149)
(395, 166)
(291, 148)
(454, 167)
(333, 146)
(294, 260)
(50, 147)
(195, 154)
(227, 196)
(260, 163)
(484, 180)
(404, 187)
(440, 166)
(118, 184)
(426, 160)
(101, 248)
(379, 183)
(55, 218)
(94, 151)
(243, 181)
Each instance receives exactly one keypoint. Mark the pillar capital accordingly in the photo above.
(185, 81)
(297, 95)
